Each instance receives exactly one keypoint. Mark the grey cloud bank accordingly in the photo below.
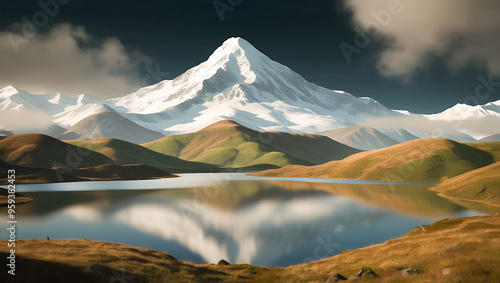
(69, 60)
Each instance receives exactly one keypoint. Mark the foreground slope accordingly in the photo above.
(229, 144)
(361, 137)
(423, 160)
(123, 152)
(113, 125)
(454, 250)
(480, 185)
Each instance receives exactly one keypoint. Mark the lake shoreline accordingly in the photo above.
(20, 199)
(181, 181)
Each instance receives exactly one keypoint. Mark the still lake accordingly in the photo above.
(207, 217)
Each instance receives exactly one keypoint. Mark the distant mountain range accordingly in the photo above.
(215, 148)
(237, 82)
(362, 137)
(110, 124)
(492, 138)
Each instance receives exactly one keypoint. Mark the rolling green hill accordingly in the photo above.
(423, 160)
(480, 185)
(42, 159)
(229, 144)
(491, 147)
(124, 153)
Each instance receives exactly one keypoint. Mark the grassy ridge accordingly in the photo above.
(124, 153)
(41, 159)
(229, 144)
(480, 185)
(423, 160)
(42, 151)
(468, 247)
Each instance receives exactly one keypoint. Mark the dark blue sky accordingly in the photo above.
(304, 35)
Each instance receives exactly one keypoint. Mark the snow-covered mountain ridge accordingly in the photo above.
(236, 82)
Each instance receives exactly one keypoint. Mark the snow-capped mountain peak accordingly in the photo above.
(240, 82)
(10, 91)
(236, 82)
(493, 103)
(239, 48)
(239, 56)
(463, 111)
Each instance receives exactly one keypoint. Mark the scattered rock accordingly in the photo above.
(419, 229)
(223, 262)
(365, 273)
(447, 271)
(335, 278)
(407, 272)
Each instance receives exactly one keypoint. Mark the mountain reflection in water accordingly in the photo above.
(271, 223)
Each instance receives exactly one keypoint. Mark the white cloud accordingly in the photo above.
(478, 127)
(24, 121)
(67, 59)
(461, 32)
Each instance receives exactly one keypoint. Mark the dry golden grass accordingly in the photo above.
(422, 160)
(481, 185)
(42, 151)
(125, 153)
(469, 246)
